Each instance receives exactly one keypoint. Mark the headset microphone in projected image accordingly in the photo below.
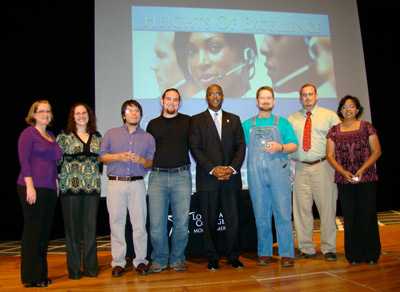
(248, 60)
(310, 43)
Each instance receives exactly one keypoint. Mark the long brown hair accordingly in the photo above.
(92, 123)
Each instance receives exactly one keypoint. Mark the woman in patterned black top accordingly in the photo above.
(352, 149)
(80, 188)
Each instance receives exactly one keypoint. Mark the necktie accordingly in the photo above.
(217, 124)
(307, 133)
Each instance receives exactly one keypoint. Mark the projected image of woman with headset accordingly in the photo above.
(223, 58)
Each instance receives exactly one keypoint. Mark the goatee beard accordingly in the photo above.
(170, 111)
(266, 108)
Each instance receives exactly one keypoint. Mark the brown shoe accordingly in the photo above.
(287, 262)
(117, 271)
(264, 260)
(301, 255)
(142, 269)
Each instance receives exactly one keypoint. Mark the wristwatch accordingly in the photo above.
(283, 148)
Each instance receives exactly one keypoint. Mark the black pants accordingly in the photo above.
(361, 237)
(80, 221)
(38, 219)
(211, 203)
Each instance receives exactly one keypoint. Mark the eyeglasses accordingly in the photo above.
(131, 111)
(43, 112)
(214, 94)
(309, 94)
(350, 106)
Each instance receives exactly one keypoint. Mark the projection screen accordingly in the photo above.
(145, 47)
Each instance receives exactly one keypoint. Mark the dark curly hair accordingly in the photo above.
(92, 123)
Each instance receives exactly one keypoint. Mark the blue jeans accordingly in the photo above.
(169, 189)
(270, 191)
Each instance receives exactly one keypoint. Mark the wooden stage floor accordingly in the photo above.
(307, 275)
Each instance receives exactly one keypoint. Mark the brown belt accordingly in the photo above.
(313, 162)
(125, 178)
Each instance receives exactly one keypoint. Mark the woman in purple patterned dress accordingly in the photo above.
(352, 150)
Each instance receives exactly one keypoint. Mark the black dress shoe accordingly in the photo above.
(213, 265)
(90, 274)
(330, 256)
(37, 285)
(235, 263)
(75, 277)
(371, 262)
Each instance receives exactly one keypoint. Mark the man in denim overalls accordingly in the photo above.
(270, 139)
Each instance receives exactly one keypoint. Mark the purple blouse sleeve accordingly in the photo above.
(370, 129)
(332, 133)
(25, 143)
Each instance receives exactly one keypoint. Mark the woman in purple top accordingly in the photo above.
(352, 149)
(37, 187)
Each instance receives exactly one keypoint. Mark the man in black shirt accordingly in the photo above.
(170, 184)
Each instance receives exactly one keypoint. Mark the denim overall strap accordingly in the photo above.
(259, 138)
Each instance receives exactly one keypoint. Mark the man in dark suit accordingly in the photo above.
(219, 156)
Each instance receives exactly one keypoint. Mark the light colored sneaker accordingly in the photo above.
(156, 268)
(179, 266)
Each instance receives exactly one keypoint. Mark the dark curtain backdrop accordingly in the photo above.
(49, 54)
